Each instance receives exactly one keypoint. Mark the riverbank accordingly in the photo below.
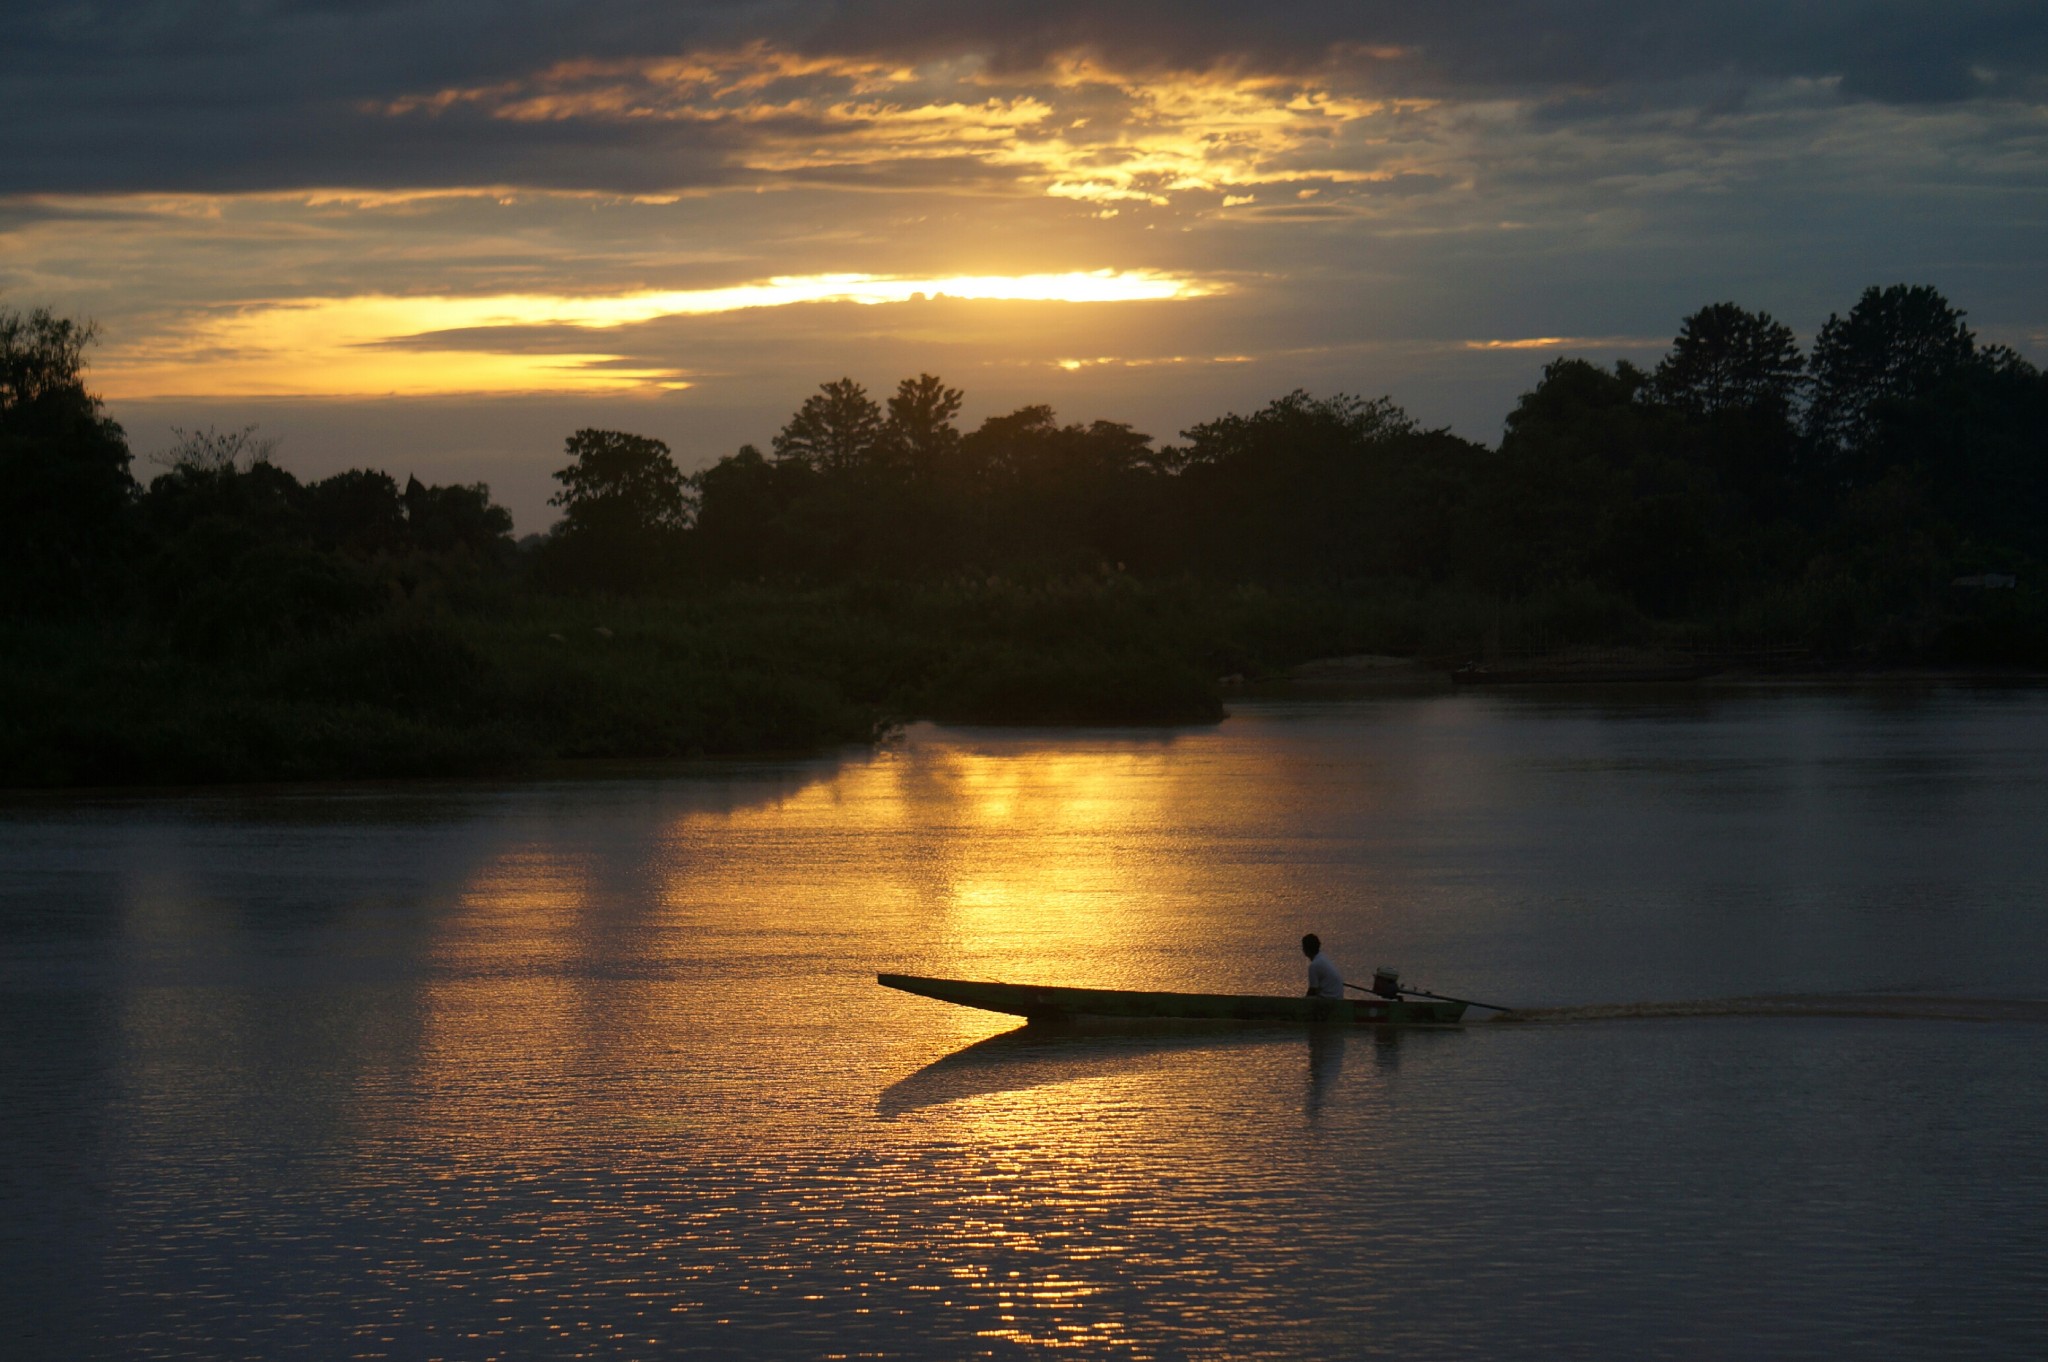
(507, 680)
(1371, 672)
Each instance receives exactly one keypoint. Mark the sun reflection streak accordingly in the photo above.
(1020, 861)
(632, 1056)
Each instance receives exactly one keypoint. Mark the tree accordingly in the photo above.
(1896, 344)
(1299, 488)
(211, 451)
(1977, 444)
(41, 358)
(920, 423)
(1737, 376)
(1033, 490)
(620, 483)
(457, 517)
(1300, 422)
(1594, 484)
(1727, 360)
(357, 512)
(739, 505)
(625, 505)
(66, 496)
(835, 431)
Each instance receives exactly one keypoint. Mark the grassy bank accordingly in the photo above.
(497, 682)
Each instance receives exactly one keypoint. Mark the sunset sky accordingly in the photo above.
(437, 237)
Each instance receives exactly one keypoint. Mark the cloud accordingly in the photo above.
(1886, 49)
(522, 343)
(306, 196)
(1078, 131)
(1601, 343)
(134, 95)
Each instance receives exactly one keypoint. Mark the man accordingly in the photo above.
(1323, 979)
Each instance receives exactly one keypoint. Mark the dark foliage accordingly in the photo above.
(837, 430)
(1896, 346)
(65, 491)
(1889, 504)
(1725, 360)
(624, 504)
(1337, 489)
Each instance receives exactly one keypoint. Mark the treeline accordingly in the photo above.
(221, 543)
(224, 620)
(1896, 456)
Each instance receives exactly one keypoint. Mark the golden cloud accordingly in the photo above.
(1571, 342)
(415, 346)
(1079, 130)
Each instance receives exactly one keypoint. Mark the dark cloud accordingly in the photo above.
(1889, 49)
(102, 95)
(951, 172)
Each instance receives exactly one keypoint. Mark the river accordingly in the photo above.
(599, 1067)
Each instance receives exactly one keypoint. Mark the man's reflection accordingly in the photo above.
(1325, 1065)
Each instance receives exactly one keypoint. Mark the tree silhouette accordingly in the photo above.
(624, 506)
(358, 511)
(1737, 376)
(1595, 484)
(920, 424)
(1896, 344)
(619, 483)
(208, 449)
(1726, 359)
(1317, 487)
(835, 431)
(457, 517)
(42, 357)
(65, 490)
(739, 502)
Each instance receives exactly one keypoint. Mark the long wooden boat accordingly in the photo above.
(1045, 1003)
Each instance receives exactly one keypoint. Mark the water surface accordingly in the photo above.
(600, 1066)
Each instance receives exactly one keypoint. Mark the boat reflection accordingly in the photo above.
(1039, 1057)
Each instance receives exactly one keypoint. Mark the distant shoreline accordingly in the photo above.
(1615, 667)
(1353, 675)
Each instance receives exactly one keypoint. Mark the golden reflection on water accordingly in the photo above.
(603, 1063)
(1083, 863)
(1087, 863)
(1089, 1149)
(696, 1002)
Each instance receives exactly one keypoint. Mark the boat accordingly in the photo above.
(1049, 1004)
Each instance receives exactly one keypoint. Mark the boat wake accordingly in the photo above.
(1885, 1006)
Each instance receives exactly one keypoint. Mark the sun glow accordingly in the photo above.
(514, 342)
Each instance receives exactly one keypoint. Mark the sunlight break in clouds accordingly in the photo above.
(1079, 130)
(1571, 342)
(421, 346)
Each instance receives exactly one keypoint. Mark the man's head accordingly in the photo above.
(1311, 945)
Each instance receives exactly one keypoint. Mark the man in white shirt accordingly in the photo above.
(1323, 979)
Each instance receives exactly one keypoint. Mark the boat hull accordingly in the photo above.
(1046, 1003)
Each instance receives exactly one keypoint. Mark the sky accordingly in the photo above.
(438, 236)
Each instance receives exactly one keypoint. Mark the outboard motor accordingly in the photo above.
(1386, 982)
